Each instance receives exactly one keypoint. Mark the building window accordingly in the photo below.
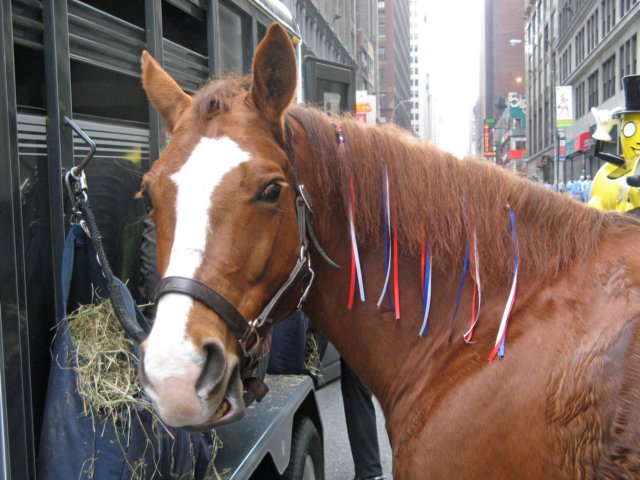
(580, 47)
(382, 53)
(592, 82)
(628, 57)
(609, 77)
(233, 48)
(579, 99)
(592, 31)
(625, 6)
(565, 64)
(608, 8)
(545, 128)
(383, 101)
(382, 30)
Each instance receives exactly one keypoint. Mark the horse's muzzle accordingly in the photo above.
(194, 393)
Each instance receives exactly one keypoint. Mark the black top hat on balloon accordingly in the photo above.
(631, 88)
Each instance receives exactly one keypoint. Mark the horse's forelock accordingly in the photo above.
(217, 95)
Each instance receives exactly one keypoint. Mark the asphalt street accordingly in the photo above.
(337, 452)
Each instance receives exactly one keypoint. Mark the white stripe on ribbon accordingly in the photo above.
(355, 252)
(388, 226)
(477, 275)
(427, 305)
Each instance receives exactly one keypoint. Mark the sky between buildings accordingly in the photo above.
(453, 62)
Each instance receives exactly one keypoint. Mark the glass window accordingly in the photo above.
(132, 12)
(89, 84)
(593, 90)
(262, 31)
(609, 77)
(184, 29)
(232, 38)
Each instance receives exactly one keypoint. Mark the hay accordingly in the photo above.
(108, 382)
(106, 366)
(312, 356)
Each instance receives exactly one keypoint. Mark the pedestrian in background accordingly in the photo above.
(586, 189)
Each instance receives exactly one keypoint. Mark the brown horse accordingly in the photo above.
(564, 402)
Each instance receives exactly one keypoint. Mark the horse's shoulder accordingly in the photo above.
(592, 406)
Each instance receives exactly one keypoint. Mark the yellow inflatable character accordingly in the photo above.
(616, 186)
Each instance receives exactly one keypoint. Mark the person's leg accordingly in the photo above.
(361, 424)
(288, 342)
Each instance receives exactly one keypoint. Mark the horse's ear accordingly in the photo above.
(163, 92)
(274, 75)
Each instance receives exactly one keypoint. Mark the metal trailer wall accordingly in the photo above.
(80, 59)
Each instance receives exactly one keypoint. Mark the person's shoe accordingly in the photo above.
(379, 477)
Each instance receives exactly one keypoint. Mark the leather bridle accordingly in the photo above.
(253, 335)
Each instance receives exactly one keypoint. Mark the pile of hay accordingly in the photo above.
(108, 377)
(106, 366)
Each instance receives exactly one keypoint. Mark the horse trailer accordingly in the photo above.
(80, 59)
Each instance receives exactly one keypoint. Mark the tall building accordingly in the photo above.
(341, 18)
(597, 46)
(367, 46)
(587, 45)
(502, 70)
(327, 28)
(393, 56)
(541, 59)
(418, 67)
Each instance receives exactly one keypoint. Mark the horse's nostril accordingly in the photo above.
(214, 367)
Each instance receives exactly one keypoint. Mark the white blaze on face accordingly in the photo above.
(169, 355)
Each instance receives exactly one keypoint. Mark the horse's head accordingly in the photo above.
(223, 205)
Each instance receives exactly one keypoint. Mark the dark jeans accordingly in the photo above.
(361, 424)
(288, 342)
(288, 356)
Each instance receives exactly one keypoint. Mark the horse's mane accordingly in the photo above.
(436, 196)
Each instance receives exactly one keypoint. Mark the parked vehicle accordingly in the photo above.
(81, 59)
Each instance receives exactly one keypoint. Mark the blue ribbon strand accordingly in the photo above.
(514, 240)
(426, 295)
(387, 237)
(465, 267)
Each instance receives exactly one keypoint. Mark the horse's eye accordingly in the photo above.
(271, 193)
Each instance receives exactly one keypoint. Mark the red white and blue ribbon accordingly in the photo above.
(425, 277)
(386, 216)
(356, 269)
(465, 267)
(501, 338)
(396, 274)
(476, 301)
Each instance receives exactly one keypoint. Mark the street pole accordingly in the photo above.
(556, 152)
(393, 112)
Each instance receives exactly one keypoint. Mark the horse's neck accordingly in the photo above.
(387, 353)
